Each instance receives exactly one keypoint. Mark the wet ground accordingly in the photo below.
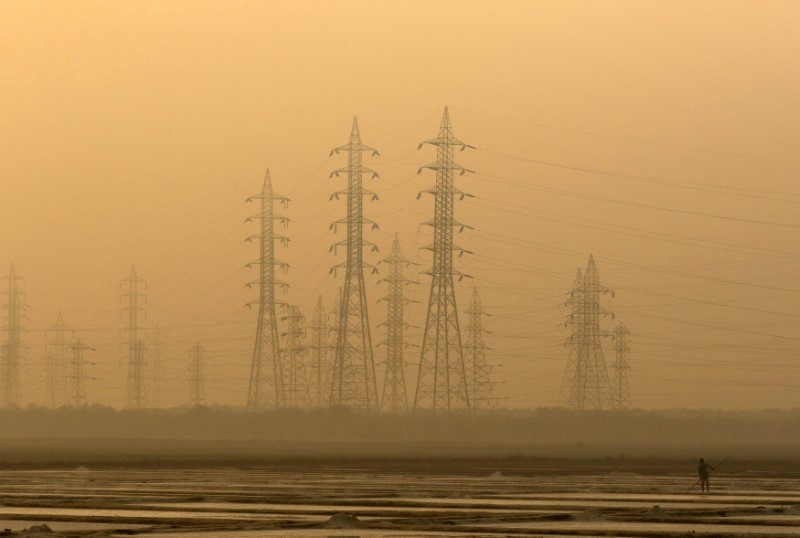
(488, 498)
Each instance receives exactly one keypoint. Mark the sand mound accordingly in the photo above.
(656, 510)
(36, 530)
(342, 521)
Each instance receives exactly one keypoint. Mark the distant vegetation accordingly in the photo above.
(543, 432)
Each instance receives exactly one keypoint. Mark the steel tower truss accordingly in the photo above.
(296, 386)
(353, 377)
(266, 373)
(318, 348)
(76, 376)
(135, 391)
(393, 398)
(10, 391)
(619, 384)
(588, 383)
(56, 363)
(479, 372)
(442, 380)
(197, 380)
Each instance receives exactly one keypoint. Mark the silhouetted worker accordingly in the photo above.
(702, 471)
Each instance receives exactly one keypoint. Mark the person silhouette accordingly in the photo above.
(702, 471)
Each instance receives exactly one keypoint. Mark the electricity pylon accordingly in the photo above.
(76, 376)
(393, 398)
(574, 323)
(620, 387)
(442, 380)
(296, 382)
(587, 384)
(266, 372)
(318, 351)
(56, 363)
(197, 381)
(135, 392)
(9, 382)
(155, 359)
(353, 378)
(479, 372)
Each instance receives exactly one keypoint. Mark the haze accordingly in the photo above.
(662, 137)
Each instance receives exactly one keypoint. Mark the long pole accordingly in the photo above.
(714, 469)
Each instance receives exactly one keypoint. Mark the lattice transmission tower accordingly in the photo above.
(298, 394)
(479, 372)
(10, 391)
(586, 381)
(575, 325)
(56, 362)
(156, 349)
(197, 380)
(76, 377)
(353, 378)
(620, 388)
(393, 398)
(442, 379)
(136, 390)
(318, 353)
(266, 372)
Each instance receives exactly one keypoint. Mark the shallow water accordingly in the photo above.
(270, 502)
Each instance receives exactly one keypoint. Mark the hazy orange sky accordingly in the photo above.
(664, 137)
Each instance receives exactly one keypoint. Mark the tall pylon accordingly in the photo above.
(197, 381)
(586, 381)
(57, 362)
(76, 374)
(620, 388)
(393, 398)
(479, 372)
(353, 379)
(135, 392)
(442, 380)
(318, 353)
(10, 391)
(296, 386)
(266, 389)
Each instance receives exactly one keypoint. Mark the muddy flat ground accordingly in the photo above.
(402, 497)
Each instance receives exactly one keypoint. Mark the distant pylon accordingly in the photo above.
(353, 378)
(56, 363)
(575, 325)
(76, 375)
(10, 382)
(266, 373)
(587, 384)
(135, 392)
(619, 384)
(155, 358)
(393, 398)
(479, 372)
(442, 380)
(318, 353)
(296, 382)
(197, 381)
